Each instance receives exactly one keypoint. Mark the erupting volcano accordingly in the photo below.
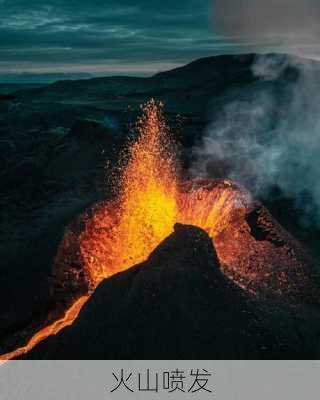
(253, 250)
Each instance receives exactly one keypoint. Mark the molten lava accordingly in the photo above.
(151, 201)
(125, 232)
(52, 329)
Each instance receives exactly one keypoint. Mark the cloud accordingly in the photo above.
(279, 25)
(72, 33)
(115, 32)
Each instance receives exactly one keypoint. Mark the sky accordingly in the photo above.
(146, 36)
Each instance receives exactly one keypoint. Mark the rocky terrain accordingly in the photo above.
(178, 305)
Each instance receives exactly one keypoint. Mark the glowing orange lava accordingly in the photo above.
(52, 329)
(124, 233)
(151, 200)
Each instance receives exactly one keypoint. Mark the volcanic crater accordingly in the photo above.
(245, 259)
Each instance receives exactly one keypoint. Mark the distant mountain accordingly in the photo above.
(28, 78)
(184, 89)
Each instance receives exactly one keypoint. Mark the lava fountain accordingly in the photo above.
(124, 233)
(151, 199)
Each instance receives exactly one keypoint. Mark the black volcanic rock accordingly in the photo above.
(5, 101)
(42, 190)
(7, 97)
(89, 131)
(82, 154)
(176, 305)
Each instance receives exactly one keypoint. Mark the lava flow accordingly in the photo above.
(151, 200)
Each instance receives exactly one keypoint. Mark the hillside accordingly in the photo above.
(187, 88)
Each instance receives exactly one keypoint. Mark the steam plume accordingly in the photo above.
(268, 133)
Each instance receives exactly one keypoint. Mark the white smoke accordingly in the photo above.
(269, 136)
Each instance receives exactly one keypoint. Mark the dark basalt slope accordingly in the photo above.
(176, 305)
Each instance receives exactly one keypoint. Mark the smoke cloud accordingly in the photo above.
(267, 134)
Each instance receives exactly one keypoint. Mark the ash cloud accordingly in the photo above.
(267, 135)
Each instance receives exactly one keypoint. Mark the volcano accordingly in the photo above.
(245, 261)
